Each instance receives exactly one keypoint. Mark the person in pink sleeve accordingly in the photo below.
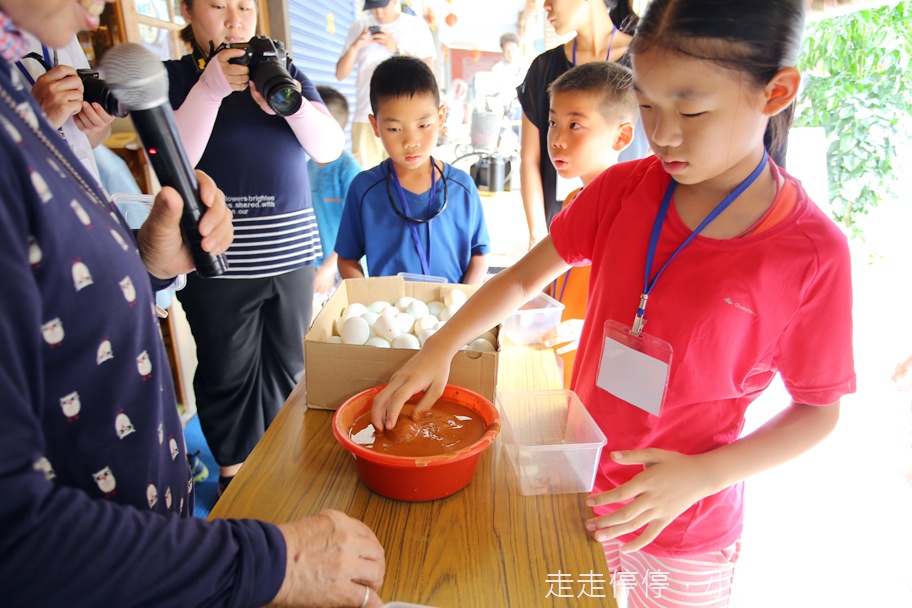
(249, 323)
(711, 272)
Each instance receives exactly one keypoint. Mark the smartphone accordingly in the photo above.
(374, 29)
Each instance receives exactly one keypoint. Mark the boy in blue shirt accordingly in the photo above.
(329, 184)
(411, 213)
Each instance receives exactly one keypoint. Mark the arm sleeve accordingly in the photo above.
(573, 230)
(815, 351)
(314, 127)
(196, 116)
(62, 548)
(526, 92)
(353, 32)
(350, 238)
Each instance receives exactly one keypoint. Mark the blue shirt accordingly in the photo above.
(329, 184)
(370, 227)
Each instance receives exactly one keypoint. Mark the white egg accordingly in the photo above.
(377, 306)
(352, 310)
(425, 322)
(403, 302)
(406, 341)
(355, 309)
(406, 322)
(434, 307)
(334, 340)
(425, 334)
(355, 330)
(386, 327)
(447, 313)
(454, 298)
(439, 325)
(489, 336)
(370, 317)
(378, 342)
(417, 309)
(389, 311)
(481, 345)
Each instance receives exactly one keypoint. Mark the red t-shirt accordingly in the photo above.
(735, 312)
(572, 290)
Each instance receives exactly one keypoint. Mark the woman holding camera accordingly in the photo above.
(249, 324)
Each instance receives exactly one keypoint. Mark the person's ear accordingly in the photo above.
(185, 11)
(441, 114)
(373, 122)
(624, 137)
(781, 90)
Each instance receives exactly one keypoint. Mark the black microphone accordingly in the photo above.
(139, 80)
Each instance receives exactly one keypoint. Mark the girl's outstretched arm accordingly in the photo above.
(492, 303)
(672, 482)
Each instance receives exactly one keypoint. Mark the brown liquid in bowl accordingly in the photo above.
(446, 428)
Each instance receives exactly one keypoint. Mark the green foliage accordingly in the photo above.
(857, 87)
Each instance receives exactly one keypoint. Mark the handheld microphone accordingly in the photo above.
(139, 81)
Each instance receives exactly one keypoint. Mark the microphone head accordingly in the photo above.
(137, 77)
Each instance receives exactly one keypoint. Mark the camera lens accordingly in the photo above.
(277, 87)
(96, 91)
(284, 100)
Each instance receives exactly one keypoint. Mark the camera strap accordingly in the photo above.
(200, 58)
(45, 61)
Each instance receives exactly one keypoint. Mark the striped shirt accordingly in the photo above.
(258, 162)
(267, 246)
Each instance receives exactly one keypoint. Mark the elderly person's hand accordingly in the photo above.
(333, 560)
(59, 93)
(161, 244)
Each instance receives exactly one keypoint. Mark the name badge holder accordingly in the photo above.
(635, 366)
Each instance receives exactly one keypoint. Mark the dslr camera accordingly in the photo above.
(96, 91)
(266, 59)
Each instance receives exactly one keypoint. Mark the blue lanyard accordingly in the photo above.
(610, 42)
(47, 62)
(424, 255)
(648, 284)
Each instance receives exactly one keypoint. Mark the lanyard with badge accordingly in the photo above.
(424, 254)
(634, 365)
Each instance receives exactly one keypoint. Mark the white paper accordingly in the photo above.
(633, 376)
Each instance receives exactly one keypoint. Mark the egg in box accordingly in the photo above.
(339, 362)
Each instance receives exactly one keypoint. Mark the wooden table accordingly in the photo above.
(485, 546)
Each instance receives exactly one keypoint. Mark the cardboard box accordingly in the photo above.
(335, 372)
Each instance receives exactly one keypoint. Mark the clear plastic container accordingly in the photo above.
(533, 319)
(421, 278)
(551, 440)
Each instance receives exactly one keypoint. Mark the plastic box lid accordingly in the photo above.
(551, 440)
(531, 321)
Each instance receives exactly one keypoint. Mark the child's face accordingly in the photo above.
(701, 121)
(581, 142)
(408, 128)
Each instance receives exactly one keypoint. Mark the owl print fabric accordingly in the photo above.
(81, 346)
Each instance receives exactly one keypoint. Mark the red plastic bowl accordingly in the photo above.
(416, 478)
